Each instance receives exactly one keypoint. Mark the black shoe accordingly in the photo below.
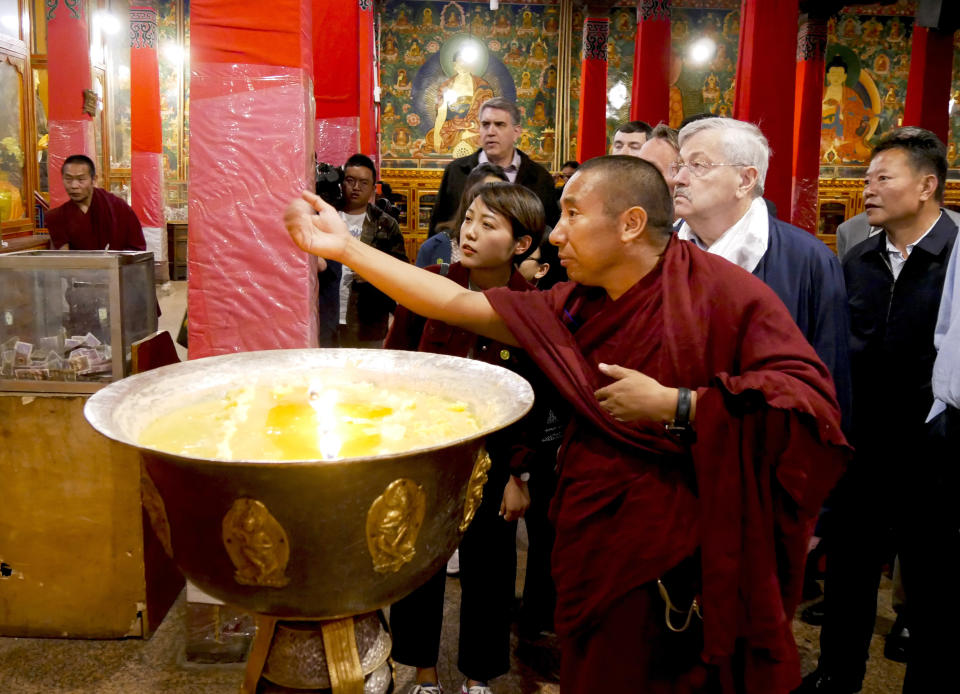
(820, 682)
(898, 642)
(814, 614)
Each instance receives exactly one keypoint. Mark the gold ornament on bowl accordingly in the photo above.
(393, 524)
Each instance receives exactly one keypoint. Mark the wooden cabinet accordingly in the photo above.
(177, 250)
(842, 198)
(415, 193)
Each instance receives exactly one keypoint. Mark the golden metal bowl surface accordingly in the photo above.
(312, 539)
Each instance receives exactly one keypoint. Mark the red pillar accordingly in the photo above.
(251, 152)
(68, 68)
(928, 87)
(592, 123)
(336, 82)
(811, 54)
(650, 95)
(146, 166)
(766, 66)
(365, 77)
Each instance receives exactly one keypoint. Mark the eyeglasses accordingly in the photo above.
(696, 168)
(357, 182)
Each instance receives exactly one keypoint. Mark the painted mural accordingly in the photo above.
(174, 66)
(867, 65)
(441, 60)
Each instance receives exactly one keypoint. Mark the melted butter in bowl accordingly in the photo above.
(316, 422)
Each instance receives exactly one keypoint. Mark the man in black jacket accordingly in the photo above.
(894, 283)
(499, 130)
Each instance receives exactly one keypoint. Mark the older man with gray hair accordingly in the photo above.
(719, 179)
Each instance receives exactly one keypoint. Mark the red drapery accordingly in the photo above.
(68, 68)
(650, 95)
(592, 123)
(146, 171)
(811, 51)
(766, 66)
(251, 151)
(928, 86)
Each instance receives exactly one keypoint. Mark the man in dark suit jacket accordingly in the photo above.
(499, 130)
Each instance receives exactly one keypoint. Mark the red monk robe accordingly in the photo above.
(632, 502)
(109, 223)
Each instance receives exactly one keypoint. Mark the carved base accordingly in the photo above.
(345, 656)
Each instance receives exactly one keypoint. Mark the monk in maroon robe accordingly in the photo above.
(663, 513)
(93, 219)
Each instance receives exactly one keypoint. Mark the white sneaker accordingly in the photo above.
(475, 689)
(426, 689)
(453, 564)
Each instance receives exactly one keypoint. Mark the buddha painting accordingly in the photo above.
(526, 25)
(458, 104)
(550, 23)
(526, 89)
(402, 22)
(539, 117)
(453, 20)
(538, 54)
(710, 92)
(731, 26)
(389, 51)
(881, 64)
(427, 21)
(548, 78)
(389, 114)
(846, 117)
(414, 54)
(501, 25)
(402, 86)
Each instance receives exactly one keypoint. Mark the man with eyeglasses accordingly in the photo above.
(718, 192)
(364, 310)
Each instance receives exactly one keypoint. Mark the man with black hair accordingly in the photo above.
(630, 137)
(364, 310)
(894, 283)
(92, 219)
(499, 131)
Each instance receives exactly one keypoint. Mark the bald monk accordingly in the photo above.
(705, 436)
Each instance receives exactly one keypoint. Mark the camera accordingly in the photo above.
(328, 180)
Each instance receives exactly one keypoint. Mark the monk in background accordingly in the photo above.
(705, 436)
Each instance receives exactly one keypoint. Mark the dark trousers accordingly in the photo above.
(539, 592)
(899, 502)
(488, 569)
(931, 561)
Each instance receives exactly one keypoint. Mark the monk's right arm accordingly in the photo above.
(324, 234)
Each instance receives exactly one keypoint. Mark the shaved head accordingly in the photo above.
(631, 182)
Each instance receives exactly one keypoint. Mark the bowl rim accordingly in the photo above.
(100, 408)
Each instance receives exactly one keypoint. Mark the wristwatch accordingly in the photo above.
(680, 427)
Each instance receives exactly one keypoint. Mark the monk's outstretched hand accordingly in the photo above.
(323, 234)
(635, 396)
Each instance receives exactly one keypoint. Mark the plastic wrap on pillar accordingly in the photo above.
(147, 200)
(251, 152)
(68, 70)
(67, 137)
(146, 169)
(337, 139)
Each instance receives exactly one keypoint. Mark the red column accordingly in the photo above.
(146, 167)
(766, 67)
(811, 53)
(366, 67)
(592, 123)
(251, 151)
(68, 68)
(650, 95)
(336, 80)
(928, 87)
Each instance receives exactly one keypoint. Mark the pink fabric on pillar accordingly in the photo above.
(68, 68)
(650, 94)
(337, 139)
(146, 170)
(251, 151)
(67, 137)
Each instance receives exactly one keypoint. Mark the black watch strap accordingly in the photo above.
(680, 426)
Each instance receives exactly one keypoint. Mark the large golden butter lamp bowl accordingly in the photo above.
(312, 539)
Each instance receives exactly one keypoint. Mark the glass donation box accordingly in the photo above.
(68, 318)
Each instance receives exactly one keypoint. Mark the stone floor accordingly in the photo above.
(158, 665)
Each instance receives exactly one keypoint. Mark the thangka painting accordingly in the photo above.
(439, 61)
(173, 58)
(865, 87)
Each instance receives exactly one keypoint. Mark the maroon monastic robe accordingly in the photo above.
(632, 502)
(108, 222)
